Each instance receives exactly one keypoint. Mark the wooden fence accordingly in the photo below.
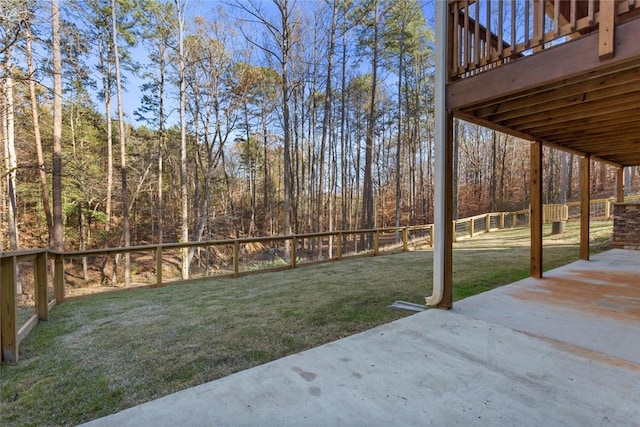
(15, 324)
(49, 292)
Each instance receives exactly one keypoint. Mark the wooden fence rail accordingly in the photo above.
(12, 333)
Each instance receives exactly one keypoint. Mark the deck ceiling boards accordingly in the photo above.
(599, 116)
(594, 111)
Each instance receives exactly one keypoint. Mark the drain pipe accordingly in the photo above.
(440, 154)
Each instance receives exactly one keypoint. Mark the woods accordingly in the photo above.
(256, 118)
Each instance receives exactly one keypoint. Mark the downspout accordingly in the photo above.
(440, 153)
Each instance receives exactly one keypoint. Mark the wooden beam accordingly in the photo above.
(42, 294)
(620, 185)
(58, 278)
(577, 112)
(8, 307)
(591, 127)
(569, 59)
(447, 254)
(606, 30)
(566, 92)
(585, 208)
(587, 122)
(536, 209)
(159, 266)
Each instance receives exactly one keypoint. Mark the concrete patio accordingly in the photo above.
(563, 350)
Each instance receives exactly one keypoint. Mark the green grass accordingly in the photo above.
(99, 355)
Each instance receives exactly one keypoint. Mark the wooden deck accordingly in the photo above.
(565, 96)
(559, 74)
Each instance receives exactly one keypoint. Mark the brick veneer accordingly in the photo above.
(626, 226)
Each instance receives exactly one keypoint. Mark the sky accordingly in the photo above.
(133, 94)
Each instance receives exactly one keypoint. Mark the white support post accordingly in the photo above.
(443, 186)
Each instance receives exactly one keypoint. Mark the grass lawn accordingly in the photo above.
(100, 355)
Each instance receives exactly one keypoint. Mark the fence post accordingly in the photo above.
(607, 210)
(159, 266)
(376, 243)
(431, 235)
(471, 226)
(294, 249)
(405, 238)
(9, 316)
(40, 285)
(514, 220)
(501, 221)
(339, 246)
(487, 223)
(236, 261)
(58, 278)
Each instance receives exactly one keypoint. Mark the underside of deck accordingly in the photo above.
(575, 88)
(564, 96)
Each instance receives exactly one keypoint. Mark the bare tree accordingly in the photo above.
(368, 212)
(282, 35)
(184, 194)
(126, 231)
(325, 119)
(36, 132)
(56, 179)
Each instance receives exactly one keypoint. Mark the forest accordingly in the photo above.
(255, 118)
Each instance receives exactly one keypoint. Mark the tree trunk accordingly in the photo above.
(367, 197)
(325, 120)
(399, 138)
(56, 179)
(494, 171)
(44, 189)
(184, 225)
(343, 115)
(161, 143)
(456, 151)
(11, 161)
(570, 178)
(126, 232)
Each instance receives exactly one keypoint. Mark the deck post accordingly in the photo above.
(294, 250)
(620, 185)
(159, 266)
(42, 294)
(8, 309)
(236, 258)
(585, 208)
(405, 239)
(442, 296)
(376, 243)
(536, 209)
(58, 278)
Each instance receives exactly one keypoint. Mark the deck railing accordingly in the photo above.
(488, 33)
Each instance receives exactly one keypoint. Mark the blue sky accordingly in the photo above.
(133, 94)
